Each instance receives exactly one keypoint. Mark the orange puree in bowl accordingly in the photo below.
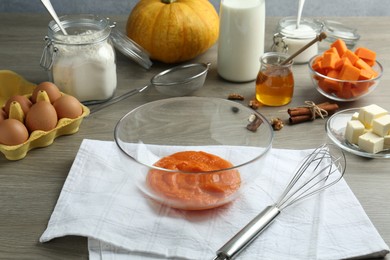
(194, 190)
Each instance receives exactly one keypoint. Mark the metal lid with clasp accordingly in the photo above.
(82, 63)
(121, 42)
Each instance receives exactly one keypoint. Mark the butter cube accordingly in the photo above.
(386, 142)
(381, 125)
(371, 142)
(355, 116)
(354, 129)
(367, 114)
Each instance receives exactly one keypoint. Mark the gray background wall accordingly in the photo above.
(319, 8)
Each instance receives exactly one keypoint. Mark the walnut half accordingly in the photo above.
(277, 124)
(254, 104)
(235, 96)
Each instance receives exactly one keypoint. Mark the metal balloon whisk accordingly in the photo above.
(321, 169)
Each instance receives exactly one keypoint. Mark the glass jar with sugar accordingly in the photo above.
(289, 38)
(82, 63)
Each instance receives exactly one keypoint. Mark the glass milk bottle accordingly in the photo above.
(241, 39)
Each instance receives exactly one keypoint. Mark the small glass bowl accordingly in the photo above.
(219, 127)
(335, 128)
(344, 90)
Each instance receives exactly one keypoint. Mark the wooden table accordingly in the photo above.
(29, 188)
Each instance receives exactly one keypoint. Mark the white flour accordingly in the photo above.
(296, 38)
(87, 72)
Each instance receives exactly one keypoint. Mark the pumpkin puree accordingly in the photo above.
(200, 190)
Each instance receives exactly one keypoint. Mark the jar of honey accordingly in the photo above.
(275, 81)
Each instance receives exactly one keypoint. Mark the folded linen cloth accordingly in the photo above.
(100, 200)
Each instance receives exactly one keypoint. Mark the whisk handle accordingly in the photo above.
(246, 235)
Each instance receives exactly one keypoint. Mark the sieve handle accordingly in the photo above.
(248, 234)
(117, 99)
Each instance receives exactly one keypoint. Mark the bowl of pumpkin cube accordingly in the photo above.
(341, 74)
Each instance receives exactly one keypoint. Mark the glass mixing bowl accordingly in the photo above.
(214, 140)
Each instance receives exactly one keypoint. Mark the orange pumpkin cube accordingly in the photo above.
(345, 91)
(329, 60)
(361, 64)
(349, 72)
(365, 53)
(340, 46)
(351, 56)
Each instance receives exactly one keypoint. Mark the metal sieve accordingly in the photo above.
(180, 80)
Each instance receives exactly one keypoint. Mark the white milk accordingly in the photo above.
(241, 39)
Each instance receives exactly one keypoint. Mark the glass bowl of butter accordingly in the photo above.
(363, 131)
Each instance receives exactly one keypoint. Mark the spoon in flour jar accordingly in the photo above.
(178, 81)
(53, 14)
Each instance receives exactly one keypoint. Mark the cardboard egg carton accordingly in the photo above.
(13, 84)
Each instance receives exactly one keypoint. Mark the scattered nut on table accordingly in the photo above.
(235, 96)
(277, 123)
(254, 122)
(254, 104)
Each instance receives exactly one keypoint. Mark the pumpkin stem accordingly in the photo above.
(168, 1)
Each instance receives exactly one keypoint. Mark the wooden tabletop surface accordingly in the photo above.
(29, 188)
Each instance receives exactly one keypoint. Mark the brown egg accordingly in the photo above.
(3, 115)
(68, 107)
(24, 102)
(41, 116)
(51, 89)
(12, 132)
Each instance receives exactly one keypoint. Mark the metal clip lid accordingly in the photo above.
(48, 55)
(279, 45)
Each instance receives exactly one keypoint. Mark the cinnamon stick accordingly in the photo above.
(299, 119)
(304, 114)
(299, 111)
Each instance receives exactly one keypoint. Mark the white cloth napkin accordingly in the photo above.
(100, 200)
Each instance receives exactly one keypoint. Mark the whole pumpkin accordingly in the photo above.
(173, 31)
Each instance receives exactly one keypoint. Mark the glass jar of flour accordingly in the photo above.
(82, 63)
(289, 37)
